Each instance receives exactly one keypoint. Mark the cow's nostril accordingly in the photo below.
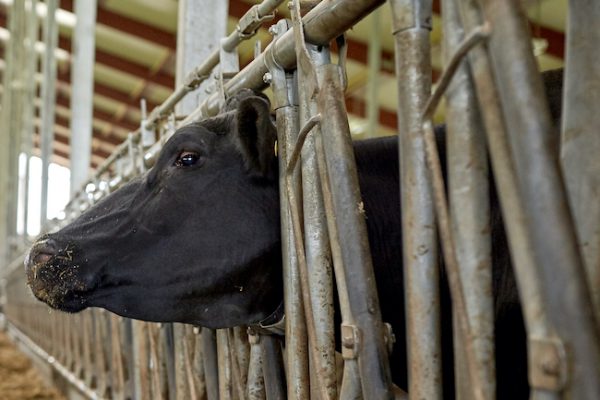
(41, 252)
(42, 258)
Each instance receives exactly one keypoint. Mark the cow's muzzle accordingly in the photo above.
(54, 276)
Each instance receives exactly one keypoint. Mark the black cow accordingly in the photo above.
(197, 240)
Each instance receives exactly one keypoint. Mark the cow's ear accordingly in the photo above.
(257, 136)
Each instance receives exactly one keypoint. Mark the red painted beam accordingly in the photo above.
(129, 25)
(118, 63)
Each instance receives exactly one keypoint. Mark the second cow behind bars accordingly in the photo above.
(197, 240)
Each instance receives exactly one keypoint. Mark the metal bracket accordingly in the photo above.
(251, 22)
(253, 336)
(548, 367)
(350, 341)
(282, 97)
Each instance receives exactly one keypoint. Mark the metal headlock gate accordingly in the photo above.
(491, 85)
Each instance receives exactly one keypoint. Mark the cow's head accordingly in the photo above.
(196, 239)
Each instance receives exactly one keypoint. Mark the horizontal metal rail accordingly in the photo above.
(322, 24)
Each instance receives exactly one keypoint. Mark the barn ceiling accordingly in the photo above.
(135, 59)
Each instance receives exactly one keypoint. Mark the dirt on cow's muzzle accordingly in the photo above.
(53, 276)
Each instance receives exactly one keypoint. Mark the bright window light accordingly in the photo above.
(58, 193)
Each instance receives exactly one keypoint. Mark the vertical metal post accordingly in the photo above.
(318, 255)
(208, 342)
(226, 391)
(366, 337)
(286, 109)
(411, 27)
(273, 369)
(28, 104)
(511, 204)
(374, 70)
(50, 38)
(468, 192)
(256, 385)
(12, 100)
(540, 184)
(581, 137)
(82, 79)
(197, 33)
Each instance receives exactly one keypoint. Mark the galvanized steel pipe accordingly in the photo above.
(552, 231)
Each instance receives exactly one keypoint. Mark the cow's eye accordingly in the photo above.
(187, 159)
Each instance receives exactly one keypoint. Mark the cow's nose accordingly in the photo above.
(41, 252)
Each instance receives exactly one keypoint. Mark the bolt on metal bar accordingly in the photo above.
(540, 183)
(411, 26)
(468, 193)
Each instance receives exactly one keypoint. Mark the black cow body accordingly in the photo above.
(197, 240)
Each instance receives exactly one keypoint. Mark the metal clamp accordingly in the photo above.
(547, 364)
(251, 22)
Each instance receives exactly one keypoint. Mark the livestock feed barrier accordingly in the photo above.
(494, 95)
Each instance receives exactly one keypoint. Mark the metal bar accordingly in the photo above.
(141, 362)
(465, 330)
(374, 70)
(197, 33)
(352, 235)
(286, 109)
(226, 391)
(209, 352)
(116, 365)
(256, 384)
(326, 21)
(82, 83)
(11, 107)
(273, 370)
(468, 193)
(28, 105)
(322, 24)
(350, 387)
(202, 71)
(513, 212)
(411, 27)
(17, 334)
(240, 358)
(50, 38)
(318, 254)
(580, 137)
(540, 184)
